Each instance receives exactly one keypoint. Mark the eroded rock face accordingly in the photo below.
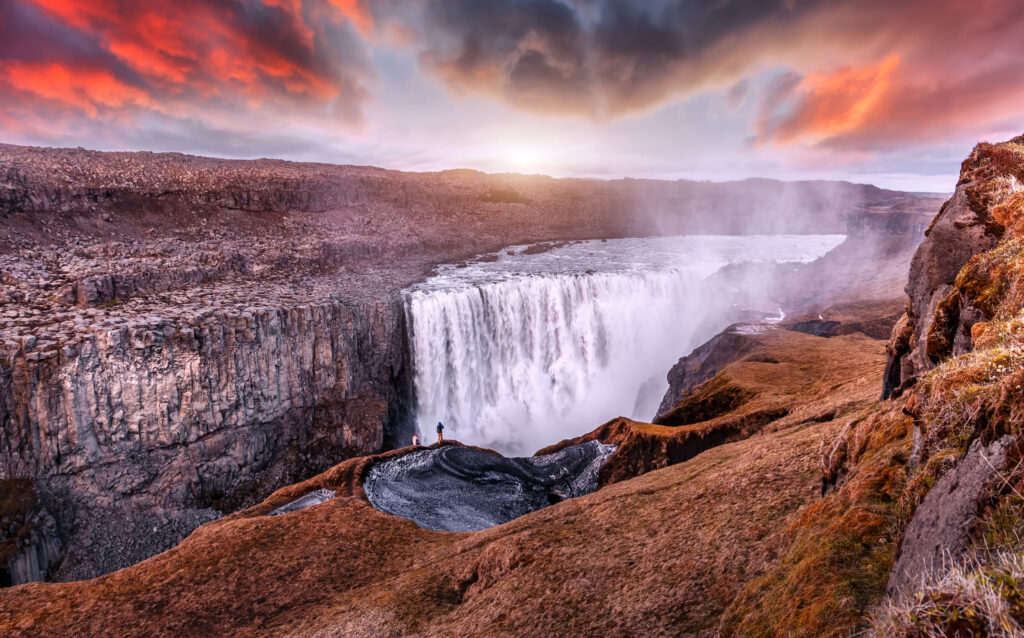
(463, 489)
(30, 542)
(941, 310)
(940, 529)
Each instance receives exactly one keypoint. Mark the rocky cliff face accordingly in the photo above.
(31, 543)
(199, 409)
(943, 307)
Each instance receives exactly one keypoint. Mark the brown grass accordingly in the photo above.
(841, 549)
(982, 595)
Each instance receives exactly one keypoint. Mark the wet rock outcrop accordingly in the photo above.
(464, 489)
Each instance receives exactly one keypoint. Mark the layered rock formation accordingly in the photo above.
(192, 408)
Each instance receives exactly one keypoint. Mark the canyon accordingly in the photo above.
(180, 335)
(215, 356)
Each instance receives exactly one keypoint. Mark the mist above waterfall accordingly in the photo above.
(520, 351)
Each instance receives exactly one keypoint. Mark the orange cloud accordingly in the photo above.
(163, 53)
(833, 103)
(88, 90)
(355, 11)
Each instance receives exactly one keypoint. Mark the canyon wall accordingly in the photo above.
(945, 300)
(199, 411)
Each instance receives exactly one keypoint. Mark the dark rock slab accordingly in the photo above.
(817, 327)
(30, 543)
(462, 489)
(940, 528)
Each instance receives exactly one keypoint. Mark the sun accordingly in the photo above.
(523, 158)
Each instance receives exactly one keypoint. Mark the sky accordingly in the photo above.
(890, 92)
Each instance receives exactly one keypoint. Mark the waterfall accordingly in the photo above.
(525, 350)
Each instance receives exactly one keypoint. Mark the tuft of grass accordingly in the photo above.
(991, 281)
(1003, 524)
(980, 596)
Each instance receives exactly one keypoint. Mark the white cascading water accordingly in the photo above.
(520, 352)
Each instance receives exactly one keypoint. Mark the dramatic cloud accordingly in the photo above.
(603, 57)
(864, 66)
(949, 70)
(119, 60)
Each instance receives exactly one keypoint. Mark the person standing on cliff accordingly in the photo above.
(440, 434)
(415, 439)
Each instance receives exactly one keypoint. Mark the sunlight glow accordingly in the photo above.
(524, 159)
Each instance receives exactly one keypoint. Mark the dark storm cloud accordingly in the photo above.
(606, 56)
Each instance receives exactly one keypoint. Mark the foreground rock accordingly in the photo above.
(947, 298)
(940, 530)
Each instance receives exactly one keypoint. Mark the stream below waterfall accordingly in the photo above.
(521, 349)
